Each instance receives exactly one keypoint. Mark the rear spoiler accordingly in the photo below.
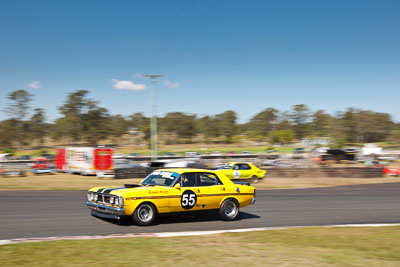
(242, 183)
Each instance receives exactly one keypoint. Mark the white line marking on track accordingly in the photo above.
(179, 234)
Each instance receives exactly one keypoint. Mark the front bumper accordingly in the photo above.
(104, 211)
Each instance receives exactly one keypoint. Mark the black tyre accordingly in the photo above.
(145, 214)
(254, 179)
(229, 209)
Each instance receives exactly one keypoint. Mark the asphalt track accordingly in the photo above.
(30, 214)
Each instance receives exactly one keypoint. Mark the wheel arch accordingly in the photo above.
(138, 203)
(228, 197)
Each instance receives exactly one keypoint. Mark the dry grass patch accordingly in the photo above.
(60, 181)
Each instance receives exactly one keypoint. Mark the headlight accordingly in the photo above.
(90, 196)
(95, 197)
(112, 200)
(118, 201)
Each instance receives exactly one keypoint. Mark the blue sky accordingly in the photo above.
(216, 55)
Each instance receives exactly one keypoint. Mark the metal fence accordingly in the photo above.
(345, 172)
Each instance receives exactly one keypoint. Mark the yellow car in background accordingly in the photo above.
(171, 190)
(242, 171)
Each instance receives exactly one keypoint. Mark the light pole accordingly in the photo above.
(153, 121)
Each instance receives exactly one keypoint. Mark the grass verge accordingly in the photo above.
(312, 246)
(62, 181)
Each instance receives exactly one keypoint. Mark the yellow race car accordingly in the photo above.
(171, 190)
(242, 171)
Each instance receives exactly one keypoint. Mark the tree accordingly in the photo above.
(263, 122)
(208, 126)
(321, 123)
(38, 130)
(8, 130)
(82, 119)
(300, 115)
(281, 136)
(181, 124)
(17, 110)
(118, 125)
(19, 106)
(349, 125)
(227, 124)
(96, 123)
(141, 122)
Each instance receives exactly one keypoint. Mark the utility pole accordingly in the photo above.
(153, 121)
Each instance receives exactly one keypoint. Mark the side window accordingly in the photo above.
(188, 179)
(246, 166)
(208, 179)
(236, 167)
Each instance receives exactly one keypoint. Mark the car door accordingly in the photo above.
(245, 170)
(211, 190)
(185, 198)
(236, 172)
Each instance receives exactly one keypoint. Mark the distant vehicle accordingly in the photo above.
(351, 150)
(24, 157)
(42, 165)
(299, 150)
(192, 154)
(11, 170)
(117, 164)
(5, 156)
(85, 160)
(321, 150)
(231, 153)
(369, 149)
(176, 163)
(118, 156)
(168, 191)
(48, 156)
(242, 171)
(169, 154)
(134, 154)
(245, 152)
(391, 171)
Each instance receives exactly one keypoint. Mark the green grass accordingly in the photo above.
(313, 246)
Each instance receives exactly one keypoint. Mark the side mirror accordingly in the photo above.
(178, 186)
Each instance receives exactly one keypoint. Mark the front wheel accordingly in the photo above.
(145, 214)
(229, 209)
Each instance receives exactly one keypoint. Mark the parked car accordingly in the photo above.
(42, 165)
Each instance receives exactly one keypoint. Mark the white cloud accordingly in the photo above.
(128, 85)
(35, 85)
(137, 75)
(170, 84)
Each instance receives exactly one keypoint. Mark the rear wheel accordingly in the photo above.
(145, 214)
(229, 209)
(254, 179)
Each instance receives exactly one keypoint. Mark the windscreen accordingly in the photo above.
(163, 178)
(225, 167)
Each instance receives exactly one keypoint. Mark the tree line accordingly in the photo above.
(83, 121)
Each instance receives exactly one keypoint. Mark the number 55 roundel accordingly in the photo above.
(188, 199)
